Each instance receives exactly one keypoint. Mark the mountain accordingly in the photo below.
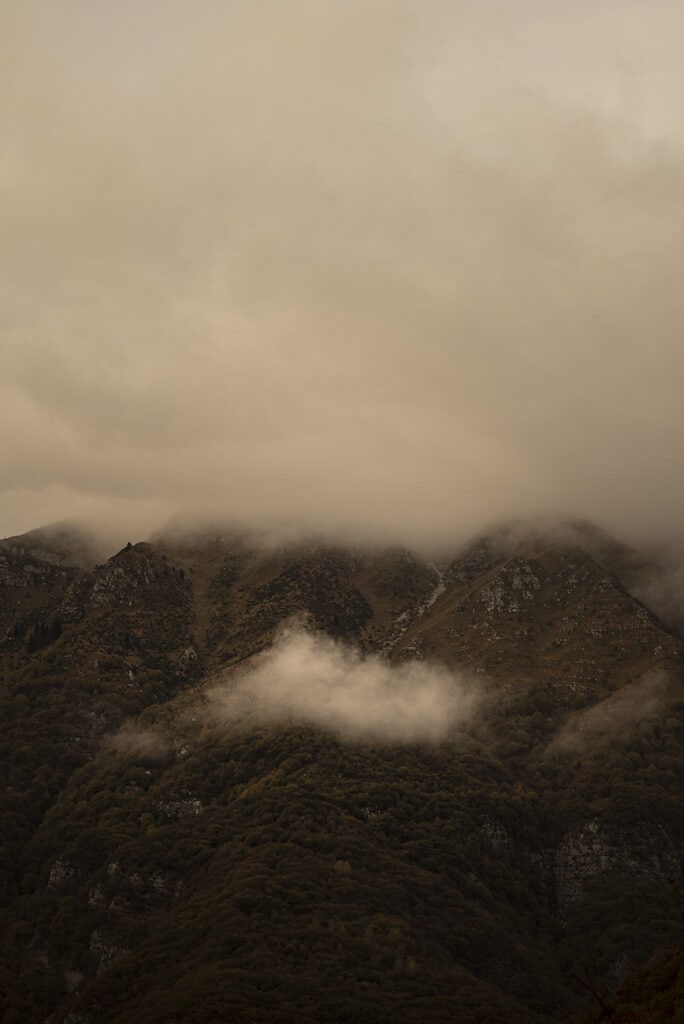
(324, 784)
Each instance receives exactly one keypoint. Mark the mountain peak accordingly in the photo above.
(61, 543)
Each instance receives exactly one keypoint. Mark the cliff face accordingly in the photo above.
(162, 863)
(595, 852)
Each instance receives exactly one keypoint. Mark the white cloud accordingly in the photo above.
(312, 679)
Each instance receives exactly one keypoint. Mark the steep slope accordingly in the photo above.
(164, 864)
(243, 593)
(122, 644)
(651, 994)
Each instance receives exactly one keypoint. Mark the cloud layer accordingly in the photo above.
(408, 265)
(311, 679)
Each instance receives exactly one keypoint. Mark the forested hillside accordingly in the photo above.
(322, 784)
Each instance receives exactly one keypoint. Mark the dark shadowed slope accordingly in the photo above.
(163, 864)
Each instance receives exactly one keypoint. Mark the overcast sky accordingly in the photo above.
(409, 265)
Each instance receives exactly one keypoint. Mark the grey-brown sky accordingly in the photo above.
(412, 264)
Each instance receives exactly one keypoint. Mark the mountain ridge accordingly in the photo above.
(463, 880)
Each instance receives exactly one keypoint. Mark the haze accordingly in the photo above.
(394, 265)
(612, 719)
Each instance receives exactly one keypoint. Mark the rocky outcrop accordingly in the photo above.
(597, 851)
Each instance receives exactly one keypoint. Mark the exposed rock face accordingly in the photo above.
(174, 810)
(17, 569)
(596, 851)
(62, 873)
(515, 584)
(105, 951)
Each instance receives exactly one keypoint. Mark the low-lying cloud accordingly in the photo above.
(611, 719)
(662, 589)
(314, 680)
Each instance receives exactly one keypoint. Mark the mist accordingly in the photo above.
(138, 742)
(611, 720)
(310, 679)
(392, 267)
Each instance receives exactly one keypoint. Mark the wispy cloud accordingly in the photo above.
(611, 719)
(137, 741)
